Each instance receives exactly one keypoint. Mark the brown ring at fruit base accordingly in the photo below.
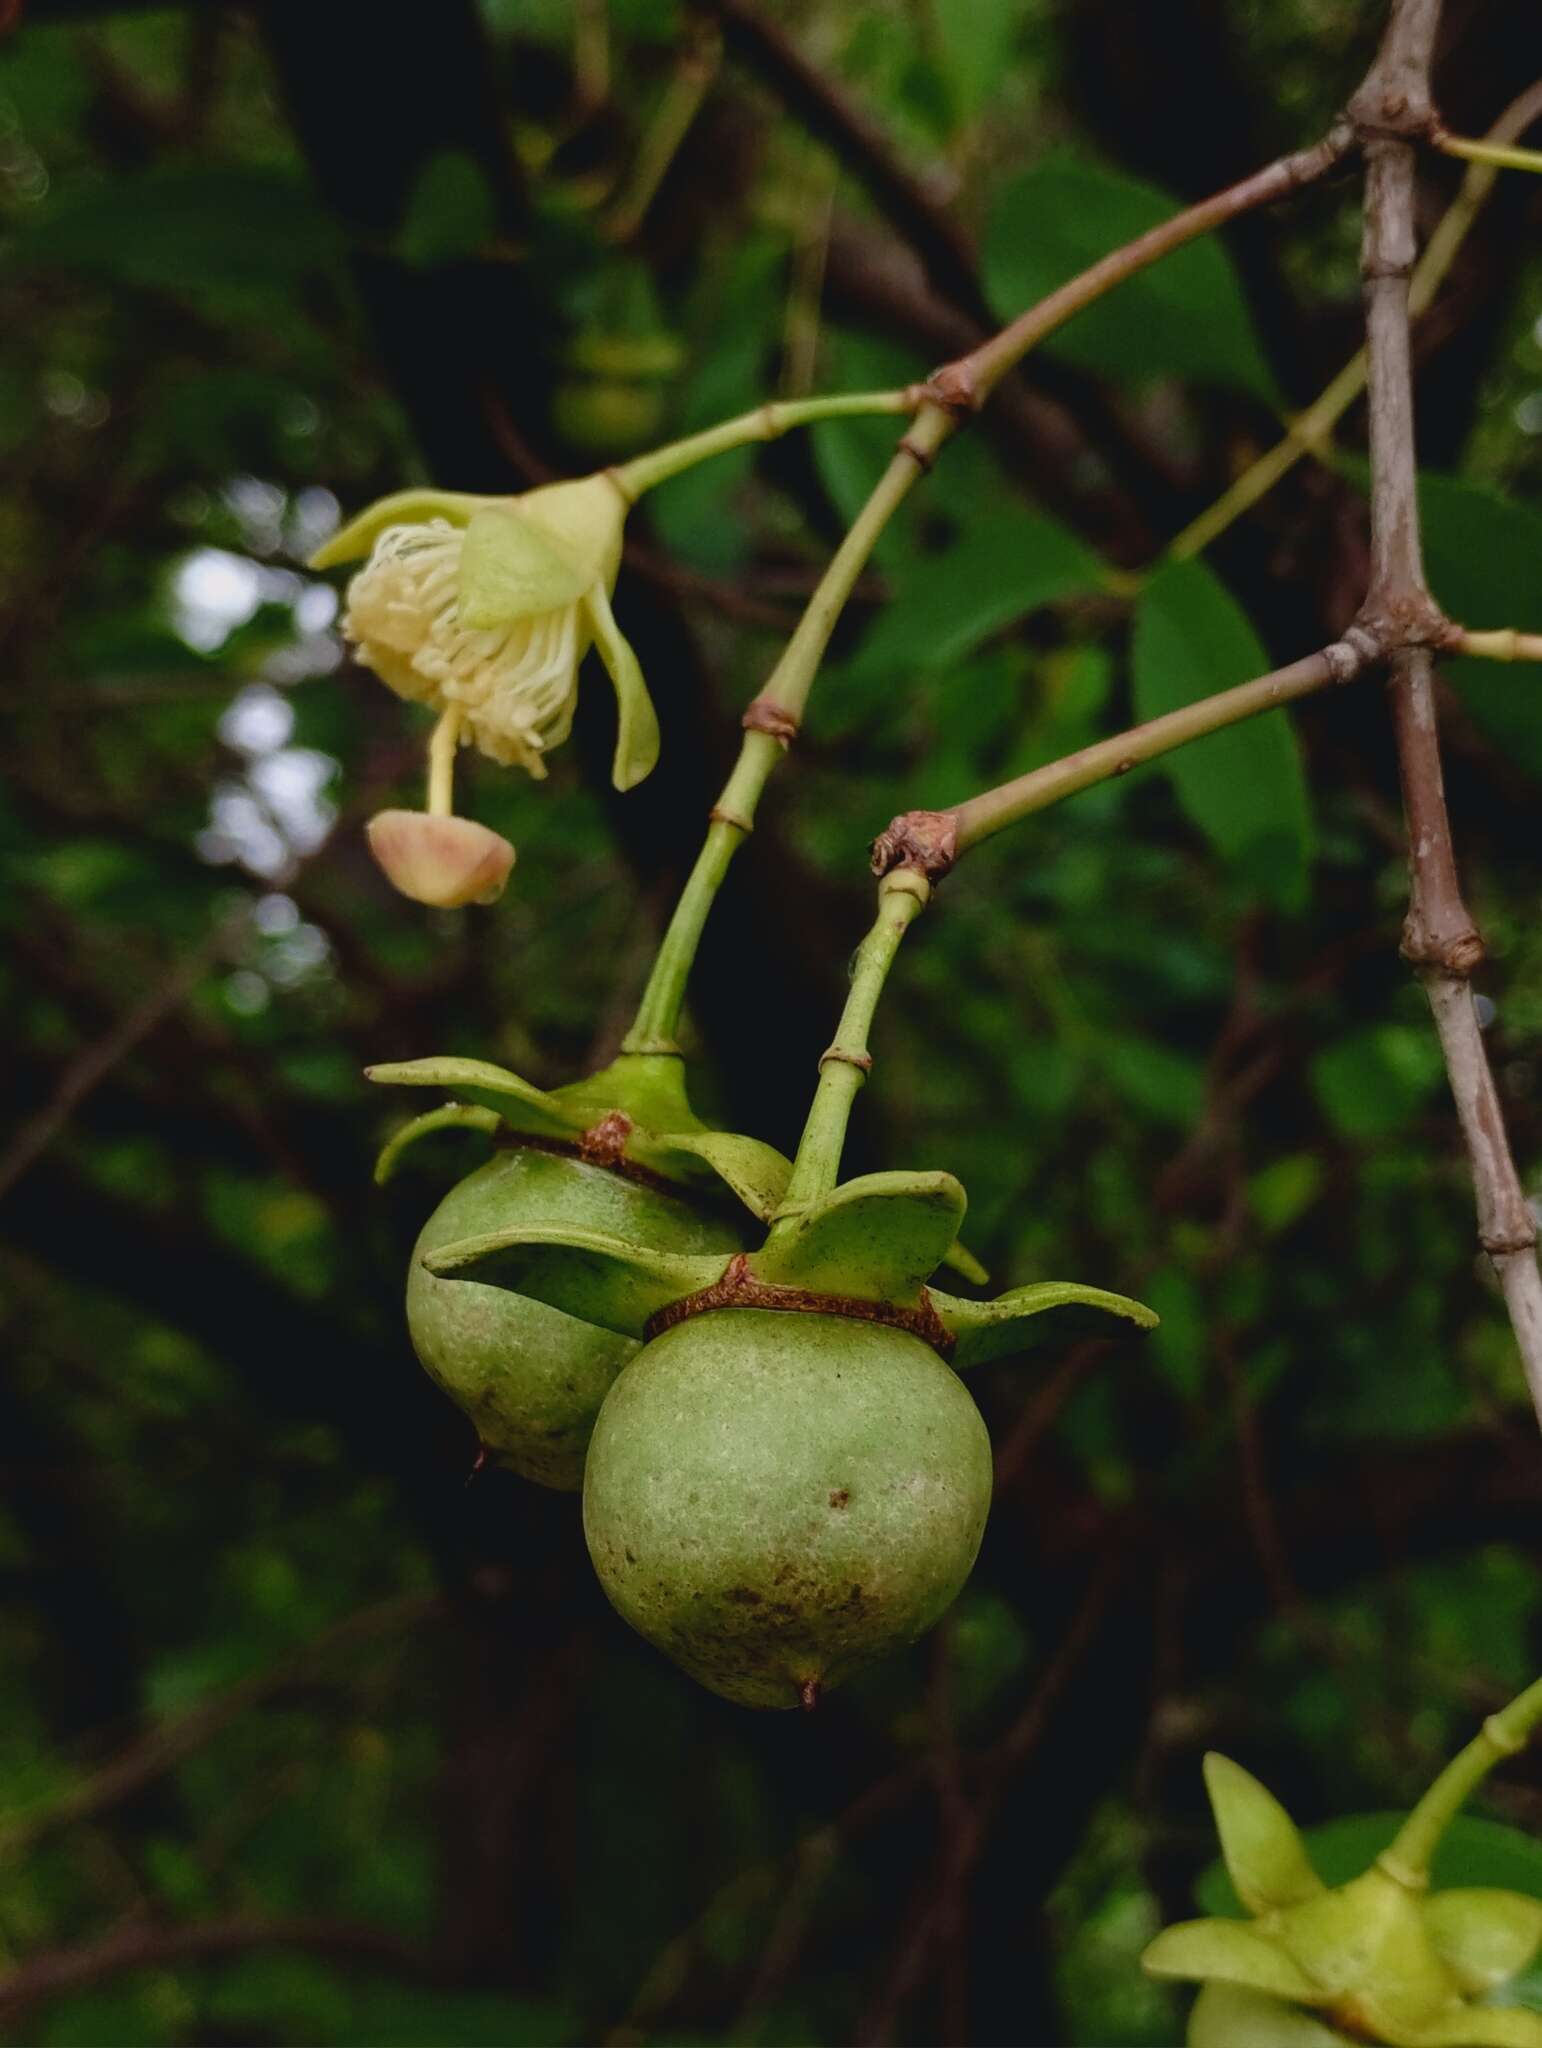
(739, 1288)
(690, 1192)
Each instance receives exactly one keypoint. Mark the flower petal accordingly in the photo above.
(444, 861)
(401, 508)
(1484, 2026)
(637, 726)
(1228, 1952)
(1265, 1857)
(510, 569)
(1225, 2016)
(1483, 1935)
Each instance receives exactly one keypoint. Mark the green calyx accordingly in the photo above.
(634, 1111)
(1380, 1957)
(872, 1240)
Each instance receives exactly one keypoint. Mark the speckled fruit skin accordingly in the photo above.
(531, 1378)
(777, 1499)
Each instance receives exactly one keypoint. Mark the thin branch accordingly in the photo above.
(138, 1947)
(166, 1746)
(860, 144)
(1439, 936)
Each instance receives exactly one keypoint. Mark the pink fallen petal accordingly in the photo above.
(443, 861)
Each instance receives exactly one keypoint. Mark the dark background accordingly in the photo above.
(302, 1738)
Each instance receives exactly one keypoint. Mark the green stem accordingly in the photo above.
(1503, 157)
(1502, 1735)
(733, 816)
(766, 423)
(843, 1069)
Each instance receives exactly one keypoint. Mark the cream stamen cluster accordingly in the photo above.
(516, 684)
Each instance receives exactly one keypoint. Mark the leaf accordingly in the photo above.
(203, 230)
(1373, 1083)
(975, 41)
(1227, 1952)
(1482, 553)
(450, 214)
(1000, 568)
(1185, 316)
(1244, 787)
(993, 1329)
(876, 1238)
(585, 1273)
(1262, 1846)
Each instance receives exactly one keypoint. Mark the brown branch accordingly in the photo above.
(860, 144)
(1392, 110)
(165, 1747)
(140, 1947)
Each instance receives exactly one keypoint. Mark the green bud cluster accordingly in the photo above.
(1381, 1958)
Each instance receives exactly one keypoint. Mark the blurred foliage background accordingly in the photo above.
(302, 1739)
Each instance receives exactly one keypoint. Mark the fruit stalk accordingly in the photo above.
(844, 1067)
(765, 423)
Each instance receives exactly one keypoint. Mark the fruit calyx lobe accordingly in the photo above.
(739, 1287)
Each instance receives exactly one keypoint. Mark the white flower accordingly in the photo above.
(488, 605)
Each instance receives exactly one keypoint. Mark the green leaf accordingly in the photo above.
(1261, 1844)
(1482, 553)
(585, 1273)
(1244, 787)
(975, 40)
(876, 1238)
(1374, 1082)
(450, 214)
(1185, 316)
(999, 569)
(994, 1329)
(200, 230)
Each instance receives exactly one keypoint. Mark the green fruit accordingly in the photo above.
(531, 1378)
(777, 1499)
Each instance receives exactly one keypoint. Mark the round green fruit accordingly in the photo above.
(531, 1378)
(777, 1499)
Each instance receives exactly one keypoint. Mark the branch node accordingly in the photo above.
(862, 1061)
(924, 840)
(1457, 953)
(955, 389)
(921, 457)
(1392, 619)
(719, 816)
(764, 714)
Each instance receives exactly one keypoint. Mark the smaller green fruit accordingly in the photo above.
(530, 1378)
(778, 1499)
